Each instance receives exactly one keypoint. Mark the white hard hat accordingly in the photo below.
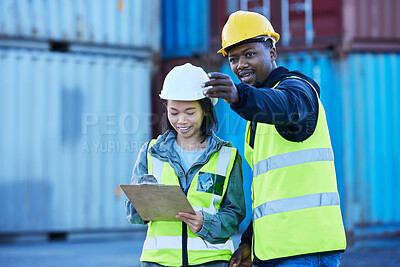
(184, 83)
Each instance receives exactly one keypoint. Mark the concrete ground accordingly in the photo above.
(124, 250)
(373, 252)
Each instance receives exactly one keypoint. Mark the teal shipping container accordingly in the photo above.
(361, 96)
(71, 127)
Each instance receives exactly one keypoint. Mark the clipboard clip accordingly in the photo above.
(149, 179)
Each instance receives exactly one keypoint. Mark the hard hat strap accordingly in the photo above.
(264, 39)
(261, 38)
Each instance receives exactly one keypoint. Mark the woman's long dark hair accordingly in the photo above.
(209, 119)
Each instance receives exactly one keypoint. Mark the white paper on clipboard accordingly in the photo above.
(157, 202)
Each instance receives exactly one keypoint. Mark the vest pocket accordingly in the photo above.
(210, 183)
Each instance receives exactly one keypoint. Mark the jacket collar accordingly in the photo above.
(280, 73)
(163, 148)
(275, 76)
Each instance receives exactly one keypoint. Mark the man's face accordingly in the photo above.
(252, 62)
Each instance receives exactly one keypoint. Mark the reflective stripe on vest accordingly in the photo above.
(224, 157)
(292, 158)
(157, 166)
(296, 203)
(175, 242)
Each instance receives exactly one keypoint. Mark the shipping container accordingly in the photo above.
(360, 94)
(217, 21)
(185, 28)
(72, 125)
(372, 25)
(101, 22)
(338, 25)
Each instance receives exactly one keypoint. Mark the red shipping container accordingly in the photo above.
(343, 25)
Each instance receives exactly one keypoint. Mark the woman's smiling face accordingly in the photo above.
(186, 118)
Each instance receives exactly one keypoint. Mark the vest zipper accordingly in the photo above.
(253, 127)
(185, 256)
(185, 260)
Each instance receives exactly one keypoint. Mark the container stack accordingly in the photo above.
(75, 82)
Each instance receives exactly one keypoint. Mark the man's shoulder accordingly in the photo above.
(296, 74)
(282, 73)
(299, 77)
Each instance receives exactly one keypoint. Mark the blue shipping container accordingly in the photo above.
(72, 125)
(361, 97)
(185, 28)
(102, 22)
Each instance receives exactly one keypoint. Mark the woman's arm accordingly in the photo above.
(139, 171)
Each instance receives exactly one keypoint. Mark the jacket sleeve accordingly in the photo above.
(292, 101)
(247, 235)
(139, 170)
(219, 227)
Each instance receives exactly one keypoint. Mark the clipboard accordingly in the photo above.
(156, 202)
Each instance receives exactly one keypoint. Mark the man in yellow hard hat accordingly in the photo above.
(296, 217)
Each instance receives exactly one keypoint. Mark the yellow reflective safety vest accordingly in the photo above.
(296, 207)
(165, 240)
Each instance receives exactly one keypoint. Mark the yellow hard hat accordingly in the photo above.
(243, 25)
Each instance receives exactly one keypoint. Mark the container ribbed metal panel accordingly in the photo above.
(72, 125)
(370, 103)
(185, 28)
(104, 22)
(360, 94)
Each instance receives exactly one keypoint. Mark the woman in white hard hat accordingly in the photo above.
(207, 169)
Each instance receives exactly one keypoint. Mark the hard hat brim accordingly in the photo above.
(273, 36)
(213, 99)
